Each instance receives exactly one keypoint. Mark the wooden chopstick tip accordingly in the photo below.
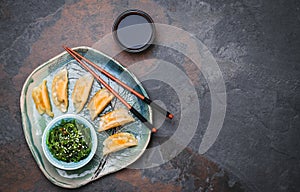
(170, 116)
(68, 49)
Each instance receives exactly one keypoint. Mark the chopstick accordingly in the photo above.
(130, 108)
(142, 97)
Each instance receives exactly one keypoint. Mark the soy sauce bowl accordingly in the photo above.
(89, 132)
(134, 30)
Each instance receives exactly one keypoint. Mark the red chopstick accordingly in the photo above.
(130, 108)
(142, 97)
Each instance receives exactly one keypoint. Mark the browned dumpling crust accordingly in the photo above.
(99, 101)
(81, 91)
(41, 99)
(115, 118)
(118, 142)
(60, 90)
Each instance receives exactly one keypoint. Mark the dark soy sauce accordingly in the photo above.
(134, 31)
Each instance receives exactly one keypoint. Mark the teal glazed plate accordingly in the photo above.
(34, 124)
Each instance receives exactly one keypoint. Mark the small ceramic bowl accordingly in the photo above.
(69, 165)
(134, 30)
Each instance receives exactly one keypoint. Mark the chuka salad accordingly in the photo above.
(69, 141)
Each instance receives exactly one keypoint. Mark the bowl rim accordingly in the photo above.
(71, 165)
(133, 12)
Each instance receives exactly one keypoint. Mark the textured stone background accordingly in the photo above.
(256, 44)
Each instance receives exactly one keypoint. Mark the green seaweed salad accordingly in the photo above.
(69, 141)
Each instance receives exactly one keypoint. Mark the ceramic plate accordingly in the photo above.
(34, 123)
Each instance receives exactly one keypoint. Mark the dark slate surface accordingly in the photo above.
(256, 44)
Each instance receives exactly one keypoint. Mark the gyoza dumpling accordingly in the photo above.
(118, 142)
(115, 118)
(60, 90)
(99, 101)
(41, 99)
(81, 91)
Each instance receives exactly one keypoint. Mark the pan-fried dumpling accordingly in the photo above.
(41, 99)
(115, 118)
(118, 142)
(99, 101)
(60, 90)
(81, 91)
